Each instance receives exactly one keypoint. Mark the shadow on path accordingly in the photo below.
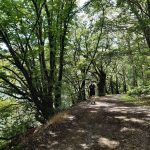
(109, 124)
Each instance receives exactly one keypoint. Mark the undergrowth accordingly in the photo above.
(144, 101)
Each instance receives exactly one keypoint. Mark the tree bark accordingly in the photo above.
(124, 82)
(61, 65)
(111, 86)
(117, 85)
(81, 93)
(102, 84)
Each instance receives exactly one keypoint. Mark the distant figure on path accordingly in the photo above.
(92, 92)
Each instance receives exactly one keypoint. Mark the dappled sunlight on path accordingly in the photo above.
(108, 124)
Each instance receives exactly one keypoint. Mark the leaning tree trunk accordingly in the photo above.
(102, 84)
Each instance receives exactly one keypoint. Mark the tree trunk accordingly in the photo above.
(124, 87)
(81, 94)
(102, 84)
(58, 95)
(117, 85)
(111, 86)
(47, 108)
(147, 37)
(124, 82)
(61, 64)
(134, 76)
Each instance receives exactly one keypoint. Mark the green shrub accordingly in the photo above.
(138, 91)
(15, 119)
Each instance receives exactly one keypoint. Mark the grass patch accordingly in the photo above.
(136, 100)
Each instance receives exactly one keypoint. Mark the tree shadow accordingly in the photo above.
(109, 124)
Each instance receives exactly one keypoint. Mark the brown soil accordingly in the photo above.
(108, 124)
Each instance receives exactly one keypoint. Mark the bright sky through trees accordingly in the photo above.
(81, 2)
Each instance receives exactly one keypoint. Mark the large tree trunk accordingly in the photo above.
(47, 108)
(102, 84)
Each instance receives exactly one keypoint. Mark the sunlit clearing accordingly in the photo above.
(148, 115)
(100, 104)
(118, 109)
(54, 143)
(106, 143)
(84, 146)
(69, 117)
(52, 134)
(130, 119)
(135, 120)
(81, 131)
(124, 129)
(93, 111)
(120, 117)
(51, 145)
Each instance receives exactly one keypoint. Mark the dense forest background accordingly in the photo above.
(50, 50)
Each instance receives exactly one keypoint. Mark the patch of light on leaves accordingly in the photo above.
(3, 46)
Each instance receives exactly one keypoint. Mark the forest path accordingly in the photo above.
(109, 124)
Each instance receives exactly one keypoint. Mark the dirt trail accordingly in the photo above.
(109, 124)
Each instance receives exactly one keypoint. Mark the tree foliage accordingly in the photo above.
(35, 35)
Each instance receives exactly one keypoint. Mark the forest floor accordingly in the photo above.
(109, 124)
